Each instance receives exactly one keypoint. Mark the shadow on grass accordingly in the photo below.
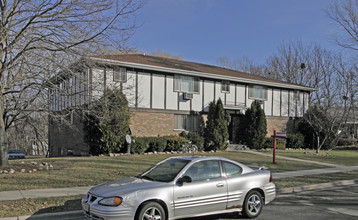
(70, 205)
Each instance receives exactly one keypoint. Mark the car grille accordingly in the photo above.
(92, 198)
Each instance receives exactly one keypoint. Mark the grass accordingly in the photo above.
(40, 206)
(314, 179)
(341, 157)
(87, 171)
(84, 171)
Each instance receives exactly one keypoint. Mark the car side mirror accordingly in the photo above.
(184, 179)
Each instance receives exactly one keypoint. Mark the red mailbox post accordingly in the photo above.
(276, 135)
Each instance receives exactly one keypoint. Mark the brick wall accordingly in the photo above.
(280, 124)
(152, 124)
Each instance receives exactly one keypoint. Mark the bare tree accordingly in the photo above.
(38, 38)
(345, 14)
(243, 64)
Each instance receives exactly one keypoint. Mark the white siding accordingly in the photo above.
(197, 102)
(143, 90)
(218, 93)
(129, 88)
(230, 97)
(300, 106)
(284, 103)
(158, 91)
(306, 101)
(97, 83)
(268, 103)
(248, 101)
(110, 83)
(172, 97)
(208, 94)
(184, 105)
(292, 104)
(276, 102)
(240, 94)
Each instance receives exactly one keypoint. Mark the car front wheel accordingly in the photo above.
(252, 205)
(151, 211)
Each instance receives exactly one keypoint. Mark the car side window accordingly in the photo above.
(231, 169)
(204, 170)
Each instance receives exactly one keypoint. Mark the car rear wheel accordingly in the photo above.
(252, 205)
(151, 211)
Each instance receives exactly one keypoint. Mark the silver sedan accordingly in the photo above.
(181, 187)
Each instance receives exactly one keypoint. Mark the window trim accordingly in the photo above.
(297, 95)
(224, 168)
(251, 94)
(178, 79)
(225, 84)
(120, 71)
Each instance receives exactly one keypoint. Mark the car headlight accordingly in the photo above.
(111, 201)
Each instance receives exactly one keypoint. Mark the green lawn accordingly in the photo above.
(87, 171)
(342, 157)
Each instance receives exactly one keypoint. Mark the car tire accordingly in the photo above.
(252, 205)
(151, 211)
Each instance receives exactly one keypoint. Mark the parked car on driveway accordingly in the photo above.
(181, 187)
(15, 154)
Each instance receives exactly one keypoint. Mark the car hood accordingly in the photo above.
(123, 186)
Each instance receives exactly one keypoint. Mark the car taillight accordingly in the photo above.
(270, 177)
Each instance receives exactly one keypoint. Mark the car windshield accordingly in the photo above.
(165, 171)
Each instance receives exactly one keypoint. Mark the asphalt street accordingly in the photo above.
(339, 202)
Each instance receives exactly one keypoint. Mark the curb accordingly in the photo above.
(59, 215)
(316, 186)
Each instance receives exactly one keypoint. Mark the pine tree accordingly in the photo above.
(114, 121)
(216, 130)
(255, 126)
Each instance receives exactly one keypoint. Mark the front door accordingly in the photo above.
(206, 193)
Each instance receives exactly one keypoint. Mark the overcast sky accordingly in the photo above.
(204, 30)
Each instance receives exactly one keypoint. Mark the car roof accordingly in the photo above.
(200, 157)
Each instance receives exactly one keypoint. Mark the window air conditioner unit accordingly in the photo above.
(188, 96)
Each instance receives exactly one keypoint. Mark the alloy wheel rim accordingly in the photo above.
(254, 204)
(152, 214)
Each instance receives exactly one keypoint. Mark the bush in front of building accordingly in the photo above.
(295, 141)
(216, 134)
(141, 145)
(254, 126)
(195, 138)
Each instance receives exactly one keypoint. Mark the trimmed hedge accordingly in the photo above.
(141, 145)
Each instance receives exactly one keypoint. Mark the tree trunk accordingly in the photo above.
(318, 145)
(3, 153)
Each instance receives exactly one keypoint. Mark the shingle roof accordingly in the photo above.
(190, 66)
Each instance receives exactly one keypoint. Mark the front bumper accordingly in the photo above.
(93, 210)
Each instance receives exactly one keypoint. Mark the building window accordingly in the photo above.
(187, 122)
(225, 86)
(257, 92)
(296, 95)
(186, 84)
(120, 74)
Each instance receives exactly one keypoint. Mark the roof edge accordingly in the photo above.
(202, 74)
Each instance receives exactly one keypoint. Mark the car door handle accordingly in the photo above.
(220, 185)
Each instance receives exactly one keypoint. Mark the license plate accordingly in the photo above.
(86, 207)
